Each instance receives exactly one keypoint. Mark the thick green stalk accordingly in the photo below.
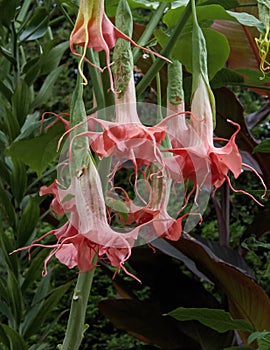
(76, 321)
(76, 326)
(167, 49)
(149, 30)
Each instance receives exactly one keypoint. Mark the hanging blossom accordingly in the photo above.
(93, 29)
(87, 232)
(204, 163)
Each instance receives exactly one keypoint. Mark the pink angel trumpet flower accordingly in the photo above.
(205, 163)
(126, 138)
(87, 231)
(93, 29)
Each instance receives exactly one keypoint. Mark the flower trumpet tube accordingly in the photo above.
(93, 29)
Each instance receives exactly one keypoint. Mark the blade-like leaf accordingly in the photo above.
(218, 320)
(11, 338)
(48, 306)
(46, 88)
(264, 146)
(21, 101)
(28, 221)
(15, 297)
(37, 25)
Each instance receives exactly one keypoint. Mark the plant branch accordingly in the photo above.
(149, 29)
(167, 49)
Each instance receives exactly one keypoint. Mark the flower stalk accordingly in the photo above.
(76, 322)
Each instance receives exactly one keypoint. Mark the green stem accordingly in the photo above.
(149, 29)
(76, 327)
(159, 97)
(159, 63)
(96, 80)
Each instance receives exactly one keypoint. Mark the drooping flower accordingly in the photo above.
(205, 163)
(93, 29)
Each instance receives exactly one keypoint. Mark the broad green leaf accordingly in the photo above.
(264, 146)
(48, 306)
(208, 13)
(252, 76)
(227, 4)
(217, 49)
(147, 4)
(21, 101)
(39, 152)
(226, 77)
(7, 11)
(47, 88)
(11, 338)
(219, 320)
(36, 26)
(28, 221)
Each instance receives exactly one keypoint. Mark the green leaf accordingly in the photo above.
(51, 59)
(15, 297)
(40, 151)
(37, 302)
(226, 77)
(7, 11)
(7, 244)
(10, 338)
(252, 76)
(119, 207)
(5, 91)
(217, 49)
(35, 269)
(21, 101)
(237, 348)
(219, 320)
(48, 306)
(47, 88)
(18, 179)
(207, 13)
(258, 335)
(36, 26)
(7, 206)
(227, 4)
(28, 221)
